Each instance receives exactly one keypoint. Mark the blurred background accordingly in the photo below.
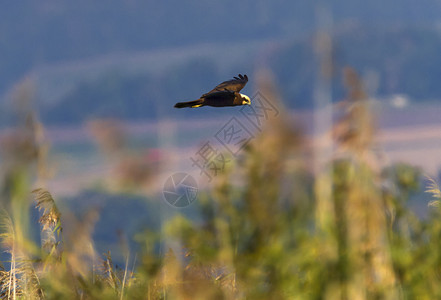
(132, 60)
(87, 92)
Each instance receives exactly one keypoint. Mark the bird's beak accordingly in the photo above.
(245, 100)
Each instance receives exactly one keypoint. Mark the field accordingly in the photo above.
(296, 213)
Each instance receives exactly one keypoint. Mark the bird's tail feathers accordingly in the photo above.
(195, 103)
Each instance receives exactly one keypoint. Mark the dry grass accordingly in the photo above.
(277, 236)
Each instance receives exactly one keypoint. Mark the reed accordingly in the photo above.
(268, 230)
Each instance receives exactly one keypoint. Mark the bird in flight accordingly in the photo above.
(224, 94)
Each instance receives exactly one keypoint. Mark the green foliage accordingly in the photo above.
(270, 228)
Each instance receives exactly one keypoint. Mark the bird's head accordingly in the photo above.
(245, 99)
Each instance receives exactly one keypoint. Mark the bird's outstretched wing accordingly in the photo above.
(234, 85)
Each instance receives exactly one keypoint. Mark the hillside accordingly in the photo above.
(35, 34)
(134, 60)
(146, 85)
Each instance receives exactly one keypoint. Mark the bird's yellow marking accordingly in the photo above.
(245, 99)
(198, 105)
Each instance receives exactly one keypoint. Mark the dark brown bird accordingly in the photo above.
(224, 94)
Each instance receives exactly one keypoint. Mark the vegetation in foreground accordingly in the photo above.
(340, 231)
